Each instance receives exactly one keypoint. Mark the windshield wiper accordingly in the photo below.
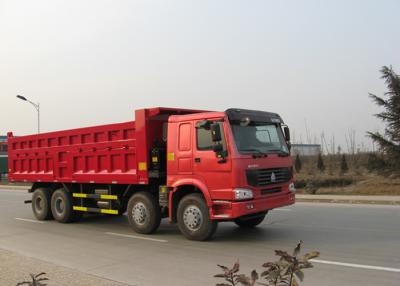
(280, 152)
(254, 150)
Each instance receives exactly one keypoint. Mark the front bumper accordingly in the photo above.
(227, 210)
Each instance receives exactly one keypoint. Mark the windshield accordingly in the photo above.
(260, 138)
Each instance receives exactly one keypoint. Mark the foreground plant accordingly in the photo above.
(288, 271)
(36, 280)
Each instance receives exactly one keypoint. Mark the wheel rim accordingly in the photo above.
(59, 206)
(193, 218)
(39, 204)
(139, 213)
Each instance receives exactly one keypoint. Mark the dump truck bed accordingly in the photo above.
(107, 154)
(100, 154)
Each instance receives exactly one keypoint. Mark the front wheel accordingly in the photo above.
(250, 222)
(194, 219)
(144, 213)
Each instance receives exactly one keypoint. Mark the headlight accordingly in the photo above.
(292, 188)
(242, 194)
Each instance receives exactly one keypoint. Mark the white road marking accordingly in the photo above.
(136, 237)
(283, 210)
(29, 220)
(361, 266)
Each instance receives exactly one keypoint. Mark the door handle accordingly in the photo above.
(197, 160)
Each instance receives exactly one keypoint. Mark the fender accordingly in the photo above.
(198, 183)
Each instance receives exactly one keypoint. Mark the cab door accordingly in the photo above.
(208, 167)
(185, 148)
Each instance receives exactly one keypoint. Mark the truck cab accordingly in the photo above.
(238, 160)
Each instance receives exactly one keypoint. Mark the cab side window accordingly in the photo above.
(204, 141)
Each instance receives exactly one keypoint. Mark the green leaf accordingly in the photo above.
(243, 279)
(299, 275)
(305, 264)
(268, 264)
(254, 276)
(296, 251)
(294, 282)
(223, 267)
(284, 255)
(311, 255)
(235, 268)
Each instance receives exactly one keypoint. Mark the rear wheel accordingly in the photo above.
(62, 207)
(194, 219)
(41, 200)
(250, 222)
(144, 213)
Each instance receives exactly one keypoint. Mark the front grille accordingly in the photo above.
(270, 191)
(265, 177)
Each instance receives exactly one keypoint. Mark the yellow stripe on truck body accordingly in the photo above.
(107, 211)
(79, 195)
(94, 196)
(81, 209)
(108, 197)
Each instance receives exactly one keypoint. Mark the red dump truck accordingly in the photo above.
(195, 167)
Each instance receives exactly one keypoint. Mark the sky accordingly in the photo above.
(95, 62)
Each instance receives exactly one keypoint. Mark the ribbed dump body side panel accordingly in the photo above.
(99, 154)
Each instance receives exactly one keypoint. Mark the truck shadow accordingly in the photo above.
(226, 232)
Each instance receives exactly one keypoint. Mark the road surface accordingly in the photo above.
(359, 244)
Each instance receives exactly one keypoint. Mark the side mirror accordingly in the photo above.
(287, 133)
(216, 132)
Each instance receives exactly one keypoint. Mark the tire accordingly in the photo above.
(41, 201)
(194, 218)
(62, 207)
(144, 213)
(250, 222)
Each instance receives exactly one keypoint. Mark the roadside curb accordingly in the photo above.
(350, 201)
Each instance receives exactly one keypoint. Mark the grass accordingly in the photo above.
(358, 180)
(370, 184)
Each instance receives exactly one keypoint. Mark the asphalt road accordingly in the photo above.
(359, 244)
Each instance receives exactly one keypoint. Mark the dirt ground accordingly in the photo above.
(365, 184)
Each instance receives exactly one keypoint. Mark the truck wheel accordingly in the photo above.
(41, 200)
(144, 213)
(250, 222)
(62, 207)
(194, 219)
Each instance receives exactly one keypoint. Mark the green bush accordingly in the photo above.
(375, 162)
(297, 164)
(312, 185)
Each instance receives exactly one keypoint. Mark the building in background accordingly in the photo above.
(3, 156)
(306, 149)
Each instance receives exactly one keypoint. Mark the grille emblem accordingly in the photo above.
(273, 177)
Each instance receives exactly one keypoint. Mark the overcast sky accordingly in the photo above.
(94, 62)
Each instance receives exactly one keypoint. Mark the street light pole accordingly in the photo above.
(36, 106)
